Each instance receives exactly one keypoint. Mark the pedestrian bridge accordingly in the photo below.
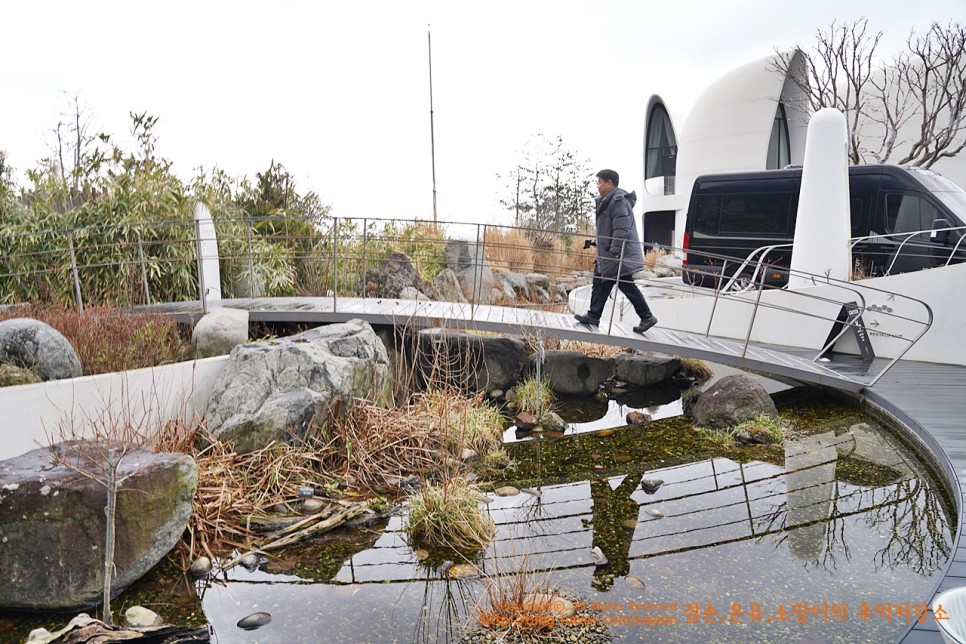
(781, 362)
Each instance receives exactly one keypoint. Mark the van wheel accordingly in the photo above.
(743, 283)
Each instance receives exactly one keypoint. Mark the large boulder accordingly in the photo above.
(53, 523)
(284, 389)
(35, 346)
(571, 373)
(447, 287)
(389, 280)
(469, 362)
(218, 332)
(466, 259)
(517, 282)
(731, 401)
(645, 368)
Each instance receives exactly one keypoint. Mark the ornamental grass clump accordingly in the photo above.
(449, 514)
(464, 422)
(533, 397)
(696, 369)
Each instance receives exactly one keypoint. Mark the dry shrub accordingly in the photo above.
(651, 258)
(516, 250)
(510, 250)
(593, 350)
(517, 601)
(371, 445)
(107, 339)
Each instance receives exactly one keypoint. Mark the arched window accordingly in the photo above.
(778, 149)
(662, 148)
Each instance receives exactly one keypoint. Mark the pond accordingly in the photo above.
(833, 536)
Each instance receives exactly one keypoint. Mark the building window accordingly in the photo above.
(778, 154)
(662, 148)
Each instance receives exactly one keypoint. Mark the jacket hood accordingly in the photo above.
(618, 193)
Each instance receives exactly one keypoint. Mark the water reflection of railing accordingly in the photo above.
(708, 504)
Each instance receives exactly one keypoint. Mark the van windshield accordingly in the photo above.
(952, 196)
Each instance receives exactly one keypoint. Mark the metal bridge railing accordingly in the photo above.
(152, 262)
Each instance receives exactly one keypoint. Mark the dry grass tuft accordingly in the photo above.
(510, 250)
(593, 350)
(108, 339)
(449, 514)
(517, 601)
(695, 368)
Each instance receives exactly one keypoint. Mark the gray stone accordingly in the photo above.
(217, 333)
(643, 368)
(551, 422)
(571, 373)
(469, 362)
(538, 280)
(141, 617)
(412, 293)
(466, 259)
(200, 568)
(255, 620)
(651, 485)
(517, 283)
(35, 346)
(731, 401)
(52, 521)
(447, 287)
(395, 274)
(285, 389)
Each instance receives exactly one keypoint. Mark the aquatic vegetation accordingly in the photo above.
(533, 397)
(449, 514)
(696, 369)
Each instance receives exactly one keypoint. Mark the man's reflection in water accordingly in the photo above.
(614, 513)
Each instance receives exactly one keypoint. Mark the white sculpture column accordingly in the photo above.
(823, 226)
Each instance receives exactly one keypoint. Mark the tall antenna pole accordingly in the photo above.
(432, 137)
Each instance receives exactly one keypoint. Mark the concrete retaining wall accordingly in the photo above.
(29, 414)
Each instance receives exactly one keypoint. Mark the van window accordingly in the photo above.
(907, 213)
(705, 215)
(755, 214)
(857, 210)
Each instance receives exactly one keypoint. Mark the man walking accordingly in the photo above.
(619, 253)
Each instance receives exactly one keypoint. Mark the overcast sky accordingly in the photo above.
(339, 91)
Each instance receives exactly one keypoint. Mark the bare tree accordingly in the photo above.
(883, 99)
(549, 190)
(95, 447)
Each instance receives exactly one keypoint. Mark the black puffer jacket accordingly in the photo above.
(616, 230)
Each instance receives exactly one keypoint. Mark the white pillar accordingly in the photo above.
(823, 228)
(208, 249)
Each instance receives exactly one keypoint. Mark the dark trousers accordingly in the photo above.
(601, 288)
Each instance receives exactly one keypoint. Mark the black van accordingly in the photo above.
(732, 215)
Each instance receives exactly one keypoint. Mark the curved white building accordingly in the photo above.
(753, 118)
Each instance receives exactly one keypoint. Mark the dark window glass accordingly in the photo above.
(705, 215)
(778, 148)
(661, 155)
(910, 213)
(755, 214)
(856, 212)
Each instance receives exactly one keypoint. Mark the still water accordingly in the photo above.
(832, 537)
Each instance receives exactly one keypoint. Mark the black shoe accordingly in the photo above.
(645, 324)
(587, 319)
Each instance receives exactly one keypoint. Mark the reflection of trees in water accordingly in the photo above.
(909, 510)
(774, 525)
(919, 535)
(613, 509)
(439, 618)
